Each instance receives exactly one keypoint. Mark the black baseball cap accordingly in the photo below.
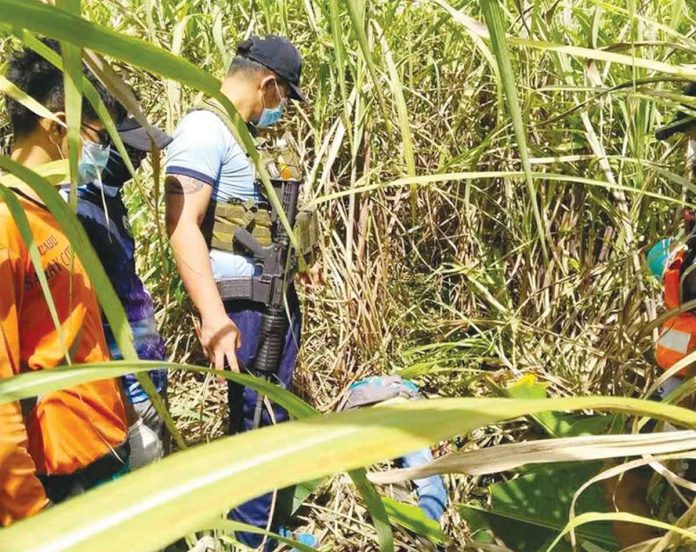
(280, 56)
(681, 121)
(134, 135)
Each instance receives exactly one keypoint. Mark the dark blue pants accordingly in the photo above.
(242, 400)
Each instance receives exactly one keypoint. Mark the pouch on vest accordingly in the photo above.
(222, 219)
(282, 164)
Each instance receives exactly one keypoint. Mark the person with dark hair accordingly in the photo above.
(65, 441)
(43, 81)
(210, 177)
(104, 216)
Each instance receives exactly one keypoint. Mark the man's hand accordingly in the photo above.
(312, 277)
(220, 339)
(187, 200)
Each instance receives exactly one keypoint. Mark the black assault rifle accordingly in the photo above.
(278, 267)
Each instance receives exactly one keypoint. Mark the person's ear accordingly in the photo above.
(266, 82)
(271, 91)
(55, 128)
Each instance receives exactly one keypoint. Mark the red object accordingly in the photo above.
(678, 334)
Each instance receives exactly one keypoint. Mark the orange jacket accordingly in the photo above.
(64, 430)
(678, 333)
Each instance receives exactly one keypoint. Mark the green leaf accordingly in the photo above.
(72, 85)
(557, 424)
(356, 12)
(182, 492)
(528, 512)
(302, 492)
(494, 22)
(41, 382)
(9, 88)
(414, 519)
(88, 90)
(376, 507)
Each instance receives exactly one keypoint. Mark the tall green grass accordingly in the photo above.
(487, 182)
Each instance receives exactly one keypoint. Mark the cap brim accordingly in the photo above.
(297, 94)
(679, 124)
(137, 137)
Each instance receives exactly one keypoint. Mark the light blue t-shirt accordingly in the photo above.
(205, 149)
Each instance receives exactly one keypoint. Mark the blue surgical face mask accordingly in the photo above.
(92, 162)
(270, 116)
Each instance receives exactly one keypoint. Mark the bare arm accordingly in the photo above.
(187, 200)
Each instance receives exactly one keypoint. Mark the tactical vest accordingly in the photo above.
(223, 218)
(678, 334)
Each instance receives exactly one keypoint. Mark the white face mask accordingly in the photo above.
(92, 162)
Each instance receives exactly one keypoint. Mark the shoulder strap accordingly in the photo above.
(214, 106)
(28, 198)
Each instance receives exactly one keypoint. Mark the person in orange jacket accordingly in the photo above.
(67, 441)
(673, 263)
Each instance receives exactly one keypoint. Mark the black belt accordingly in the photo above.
(61, 487)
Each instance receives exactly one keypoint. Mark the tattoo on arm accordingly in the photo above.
(181, 185)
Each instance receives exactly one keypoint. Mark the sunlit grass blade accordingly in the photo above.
(427, 180)
(681, 71)
(404, 123)
(184, 491)
(356, 12)
(39, 383)
(494, 22)
(72, 85)
(593, 517)
(7, 87)
(35, 383)
(340, 50)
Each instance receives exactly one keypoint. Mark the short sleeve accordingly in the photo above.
(199, 147)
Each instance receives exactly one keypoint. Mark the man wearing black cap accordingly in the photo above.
(101, 211)
(207, 168)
